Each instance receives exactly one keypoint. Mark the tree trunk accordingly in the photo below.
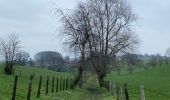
(80, 70)
(100, 72)
(101, 80)
(8, 69)
(78, 77)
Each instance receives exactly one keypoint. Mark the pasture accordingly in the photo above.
(156, 82)
(6, 82)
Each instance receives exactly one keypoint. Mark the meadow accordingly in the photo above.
(155, 81)
(6, 82)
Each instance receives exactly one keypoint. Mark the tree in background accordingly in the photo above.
(99, 29)
(22, 58)
(141, 64)
(132, 61)
(166, 60)
(31, 62)
(117, 66)
(50, 59)
(153, 61)
(40, 59)
(156, 60)
(159, 60)
(9, 48)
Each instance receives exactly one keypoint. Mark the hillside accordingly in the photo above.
(89, 90)
(6, 82)
(156, 83)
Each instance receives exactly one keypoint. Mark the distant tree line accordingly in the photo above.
(51, 60)
(12, 53)
(132, 62)
(23, 58)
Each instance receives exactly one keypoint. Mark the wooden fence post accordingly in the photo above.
(61, 84)
(85, 77)
(14, 88)
(121, 92)
(39, 87)
(70, 83)
(111, 88)
(64, 84)
(126, 92)
(13, 73)
(142, 92)
(57, 85)
(80, 83)
(47, 84)
(114, 89)
(108, 86)
(67, 84)
(53, 85)
(117, 92)
(29, 88)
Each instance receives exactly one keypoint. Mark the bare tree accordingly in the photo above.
(99, 29)
(132, 61)
(9, 48)
(77, 35)
(22, 58)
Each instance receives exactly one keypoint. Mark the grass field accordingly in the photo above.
(6, 82)
(156, 83)
(89, 91)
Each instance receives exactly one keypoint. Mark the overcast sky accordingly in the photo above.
(36, 25)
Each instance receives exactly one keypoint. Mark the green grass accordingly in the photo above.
(156, 83)
(80, 94)
(85, 93)
(89, 91)
(6, 82)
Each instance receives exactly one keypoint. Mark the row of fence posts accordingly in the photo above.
(61, 84)
(120, 91)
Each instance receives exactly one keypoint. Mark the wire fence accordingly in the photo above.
(19, 90)
(136, 92)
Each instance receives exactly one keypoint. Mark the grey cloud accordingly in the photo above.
(37, 27)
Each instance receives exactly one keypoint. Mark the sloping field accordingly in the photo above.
(6, 82)
(156, 83)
